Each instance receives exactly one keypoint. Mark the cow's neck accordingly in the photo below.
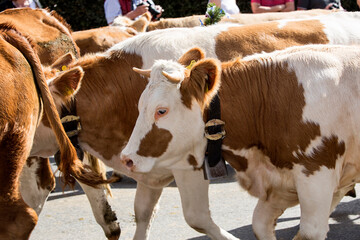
(107, 102)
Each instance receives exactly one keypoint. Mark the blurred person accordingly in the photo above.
(319, 4)
(19, 3)
(229, 6)
(262, 6)
(129, 8)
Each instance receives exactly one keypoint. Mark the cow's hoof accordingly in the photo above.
(115, 234)
(114, 237)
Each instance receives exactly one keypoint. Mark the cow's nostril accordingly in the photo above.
(129, 163)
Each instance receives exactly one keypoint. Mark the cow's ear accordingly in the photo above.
(191, 56)
(67, 83)
(204, 80)
(141, 24)
(122, 21)
(131, 31)
(63, 62)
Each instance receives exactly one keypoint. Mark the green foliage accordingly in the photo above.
(213, 14)
(86, 14)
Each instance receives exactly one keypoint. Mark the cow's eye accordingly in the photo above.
(160, 112)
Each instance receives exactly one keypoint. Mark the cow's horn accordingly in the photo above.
(171, 78)
(143, 72)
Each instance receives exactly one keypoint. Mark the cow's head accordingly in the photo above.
(63, 84)
(139, 25)
(170, 126)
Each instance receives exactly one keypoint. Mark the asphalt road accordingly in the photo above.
(68, 215)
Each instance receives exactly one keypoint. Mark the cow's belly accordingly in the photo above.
(279, 185)
(262, 179)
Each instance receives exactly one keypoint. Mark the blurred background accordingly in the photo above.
(87, 14)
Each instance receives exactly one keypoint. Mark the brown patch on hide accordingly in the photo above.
(267, 37)
(112, 90)
(324, 155)
(192, 162)
(239, 163)
(155, 142)
(30, 161)
(44, 174)
(266, 111)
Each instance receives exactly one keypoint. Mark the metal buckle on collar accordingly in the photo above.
(212, 124)
(71, 125)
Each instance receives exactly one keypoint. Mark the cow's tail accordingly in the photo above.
(70, 165)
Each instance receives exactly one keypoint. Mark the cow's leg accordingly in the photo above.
(264, 219)
(339, 195)
(146, 205)
(36, 182)
(102, 211)
(17, 219)
(315, 194)
(195, 202)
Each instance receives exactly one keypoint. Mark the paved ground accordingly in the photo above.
(68, 215)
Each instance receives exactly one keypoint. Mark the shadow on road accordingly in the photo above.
(345, 229)
(125, 182)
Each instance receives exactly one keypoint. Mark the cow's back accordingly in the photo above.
(100, 39)
(49, 33)
(241, 18)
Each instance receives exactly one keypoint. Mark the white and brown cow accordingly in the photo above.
(112, 90)
(291, 121)
(25, 99)
(145, 24)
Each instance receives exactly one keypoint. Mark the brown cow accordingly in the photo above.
(49, 32)
(52, 38)
(100, 39)
(112, 90)
(22, 105)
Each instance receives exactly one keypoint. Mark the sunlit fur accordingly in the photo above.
(194, 21)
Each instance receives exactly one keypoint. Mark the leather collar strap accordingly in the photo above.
(72, 126)
(214, 131)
